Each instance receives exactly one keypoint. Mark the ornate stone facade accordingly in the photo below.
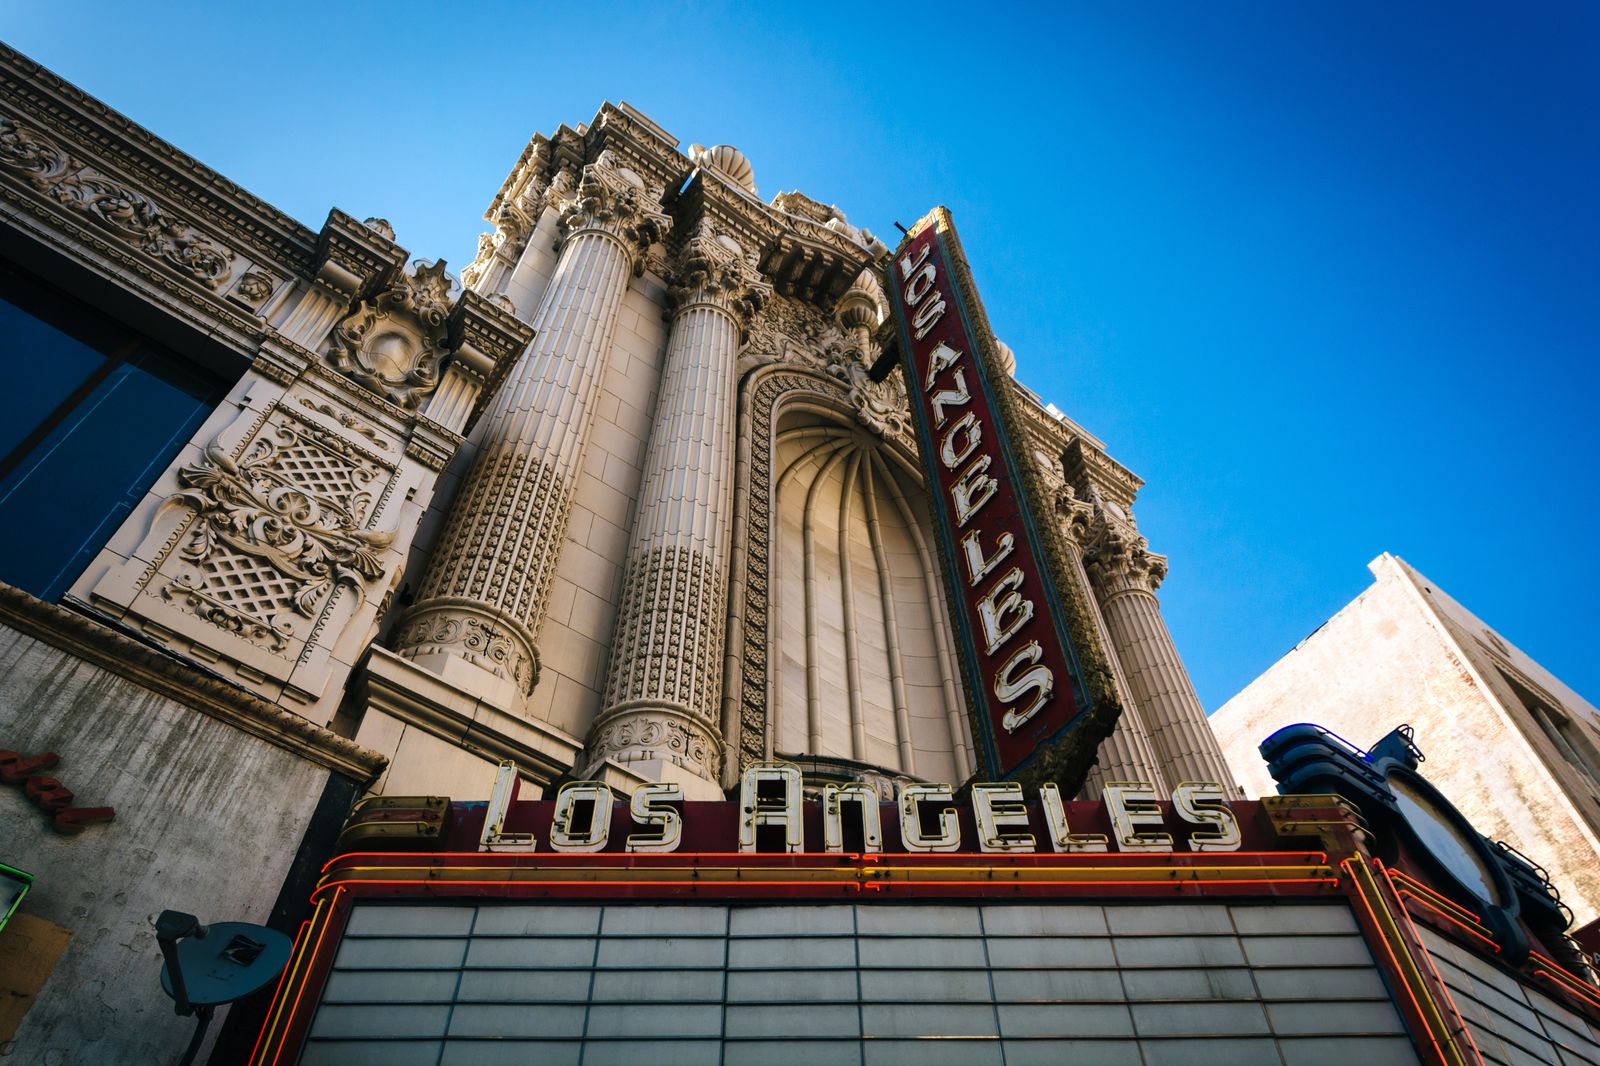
(625, 502)
(280, 541)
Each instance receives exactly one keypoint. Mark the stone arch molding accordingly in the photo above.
(771, 393)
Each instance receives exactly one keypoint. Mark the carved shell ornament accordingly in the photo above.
(727, 160)
(392, 342)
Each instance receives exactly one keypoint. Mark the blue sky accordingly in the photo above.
(1324, 274)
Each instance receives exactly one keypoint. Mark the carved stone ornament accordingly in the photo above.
(478, 640)
(643, 738)
(881, 406)
(114, 205)
(513, 218)
(612, 198)
(393, 341)
(1114, 552)
(264, 547)
(792, 331)
(254, 288)
(713, 268)
(728, 160)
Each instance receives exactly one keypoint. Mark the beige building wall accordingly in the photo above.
(1404, 652)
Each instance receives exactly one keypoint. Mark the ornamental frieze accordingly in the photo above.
(114, 206)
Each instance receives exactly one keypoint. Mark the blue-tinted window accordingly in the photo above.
(94, 414)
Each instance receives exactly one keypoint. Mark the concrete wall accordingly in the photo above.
(208, 820)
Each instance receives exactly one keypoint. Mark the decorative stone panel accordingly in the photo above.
(267, 548)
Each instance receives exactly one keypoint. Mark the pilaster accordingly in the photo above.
(268, 548)
(1126, 755)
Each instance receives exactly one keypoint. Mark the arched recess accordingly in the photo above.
(838, 641)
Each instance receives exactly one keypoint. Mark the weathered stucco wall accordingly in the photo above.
(208, 819)
(1383, 661)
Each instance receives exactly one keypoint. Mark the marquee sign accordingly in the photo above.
(773, 816)
(1038, 686)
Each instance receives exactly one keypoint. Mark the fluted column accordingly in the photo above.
(1127, 754)
(1125, 575)
(485, 590)
(664, 687)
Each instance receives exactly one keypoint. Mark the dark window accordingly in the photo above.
(91, 415)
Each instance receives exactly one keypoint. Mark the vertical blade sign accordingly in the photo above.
(1040, 701)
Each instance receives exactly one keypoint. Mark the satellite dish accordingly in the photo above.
(231, 961)
(207, 966)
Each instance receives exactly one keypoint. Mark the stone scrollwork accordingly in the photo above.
(644, 738)
(273, 533)
(608, 196)
(392, 342)
(791, 330)
(479, 640)
(126, 213)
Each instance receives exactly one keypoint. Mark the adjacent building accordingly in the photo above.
(289, 516)
(1515, 749)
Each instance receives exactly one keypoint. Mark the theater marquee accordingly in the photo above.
(1038, 687)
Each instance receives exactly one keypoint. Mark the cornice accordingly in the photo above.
(524, 171)
(1088, 467)
(360, 256)
(730, 210)
(183, 682)
(641, 145)
(109, 139)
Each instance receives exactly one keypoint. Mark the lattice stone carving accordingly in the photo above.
(271, 541)
(273, 533)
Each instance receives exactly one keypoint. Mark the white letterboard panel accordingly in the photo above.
(1511, 1023)
(866, 984)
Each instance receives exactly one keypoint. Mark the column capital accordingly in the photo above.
(609, 197)
(1115, 553)
(711, 267)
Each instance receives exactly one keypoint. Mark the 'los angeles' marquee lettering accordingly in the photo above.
(771, 801)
